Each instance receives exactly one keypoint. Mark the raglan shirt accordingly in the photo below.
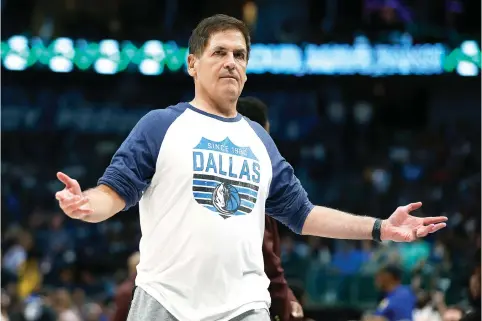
(203, 183)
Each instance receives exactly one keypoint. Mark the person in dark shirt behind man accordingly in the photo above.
(474, 295)
(123, 295)
(284, 305)
(399, 300)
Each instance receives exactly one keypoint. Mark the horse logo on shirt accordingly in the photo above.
(225, 177)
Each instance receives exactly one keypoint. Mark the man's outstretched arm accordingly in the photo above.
(105, 202)
(399, 227)
(94, 205)
(125, 179)
(328, 222)
(288, 203)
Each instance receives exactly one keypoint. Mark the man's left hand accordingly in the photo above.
(403, 227)
(296, 310)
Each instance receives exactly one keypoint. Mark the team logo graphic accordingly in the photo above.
(225, 177)
(226, 199)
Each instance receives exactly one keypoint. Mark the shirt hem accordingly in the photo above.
(230, 314)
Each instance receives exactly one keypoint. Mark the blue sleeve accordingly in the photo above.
(133, 165)
(287, 200)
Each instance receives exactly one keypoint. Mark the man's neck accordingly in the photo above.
(210, 107)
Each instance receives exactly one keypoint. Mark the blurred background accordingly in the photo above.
(375, 103)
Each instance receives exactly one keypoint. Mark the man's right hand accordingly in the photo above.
(71, 199)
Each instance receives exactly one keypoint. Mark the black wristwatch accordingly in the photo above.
(376, 231)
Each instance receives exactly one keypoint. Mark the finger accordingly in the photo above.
(424, 230)
(81, 214)
(76, 205)
(68, 201)
(65, 195)
(62, 195)
(434, 219)
(70, 183)
(64, 179)
(413, 206)
(437, 227)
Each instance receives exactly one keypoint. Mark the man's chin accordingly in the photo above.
(231, 93)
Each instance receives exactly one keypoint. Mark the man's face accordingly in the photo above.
(220, 71)
(474, 285)
(381, 280)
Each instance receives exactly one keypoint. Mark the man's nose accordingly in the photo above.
(229, 62)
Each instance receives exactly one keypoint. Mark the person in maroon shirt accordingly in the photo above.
(284, 305)
(123, 294)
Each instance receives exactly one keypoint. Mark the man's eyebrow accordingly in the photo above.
(221, 48)
(241, 51)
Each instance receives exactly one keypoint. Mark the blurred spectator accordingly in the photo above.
(59, 241)
(293, 259)
(399, 300)
(90, 284)
(250, 14)
(92, 312)
(386, 253)
(124, 292)
(439, 255)
(474, 311)
(424, 310)
(35, 307)
(65, 279)
(414, 254)
(5, 303)
(366, 250)
(78, 300)
(438, 299)
(29, 275)
(16, 255)
(452, 314)
(62, 303)
(348, 260)
(319, 251)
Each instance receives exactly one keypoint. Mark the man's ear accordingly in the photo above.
(191, 63)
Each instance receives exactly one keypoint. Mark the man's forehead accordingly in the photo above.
(228, 39)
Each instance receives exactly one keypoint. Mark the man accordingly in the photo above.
(284, 304)
(123, 295)
(399, 300)
(204, 178)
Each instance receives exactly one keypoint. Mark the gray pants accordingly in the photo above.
(146, 308)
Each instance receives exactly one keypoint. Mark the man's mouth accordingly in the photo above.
(229, 77)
